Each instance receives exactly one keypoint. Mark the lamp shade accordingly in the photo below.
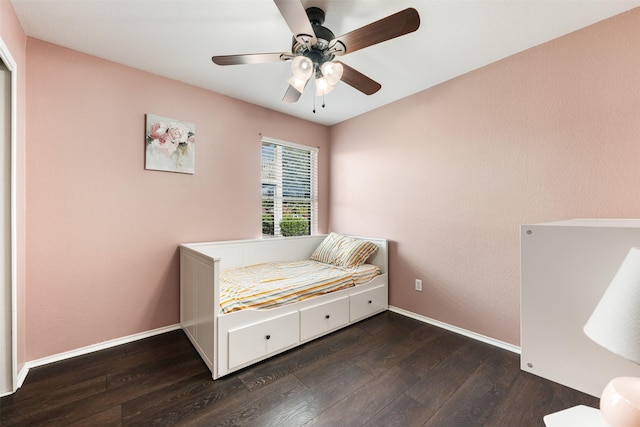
(615, 322)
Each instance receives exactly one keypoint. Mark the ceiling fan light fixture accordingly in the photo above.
(332, 72)
(302, 68)
(297, 84)
(314, 47)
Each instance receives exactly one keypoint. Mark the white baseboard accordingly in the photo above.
(22, 375)
(90, 349)
(20, 379)
(478, 337)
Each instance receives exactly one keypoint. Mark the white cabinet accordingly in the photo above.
(261, 339)
(322, 318)
(578, 416)
(565, 268)
(366, 303)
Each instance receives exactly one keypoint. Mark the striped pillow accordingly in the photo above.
(343, 251)
(354, 252)
(327, 250)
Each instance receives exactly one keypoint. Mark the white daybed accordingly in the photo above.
(232, 341)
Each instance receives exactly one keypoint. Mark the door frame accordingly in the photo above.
(10, 63)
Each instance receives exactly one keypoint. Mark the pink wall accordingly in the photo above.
(448, 175)
(103, 232)
(16, 41)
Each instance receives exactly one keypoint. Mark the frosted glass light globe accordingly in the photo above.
(332, 71)
(322, 87)
(297, 84)
(302, 68)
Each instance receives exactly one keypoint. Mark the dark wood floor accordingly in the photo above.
(389, 370)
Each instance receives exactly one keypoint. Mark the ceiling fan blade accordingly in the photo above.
(296, 17)
(251, 58)
(396, 25)
(358, 80)
(291, 95)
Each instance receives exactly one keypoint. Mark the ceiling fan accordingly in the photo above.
(315, 47)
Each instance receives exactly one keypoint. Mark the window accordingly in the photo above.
(289, 189)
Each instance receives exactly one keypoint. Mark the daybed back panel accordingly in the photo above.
(240, 253)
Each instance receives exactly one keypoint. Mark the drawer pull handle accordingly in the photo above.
(268, 337)
(327, 316)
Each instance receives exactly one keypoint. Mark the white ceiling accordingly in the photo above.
(176, 39)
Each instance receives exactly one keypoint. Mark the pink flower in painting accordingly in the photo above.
(177, 134)
(158, 132)
(166, 137)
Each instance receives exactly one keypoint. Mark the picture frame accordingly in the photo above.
(170, 145)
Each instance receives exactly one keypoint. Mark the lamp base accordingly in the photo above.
(620, 402)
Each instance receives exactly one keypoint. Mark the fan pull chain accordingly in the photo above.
(314, 103)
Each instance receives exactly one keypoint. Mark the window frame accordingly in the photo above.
(279, 200)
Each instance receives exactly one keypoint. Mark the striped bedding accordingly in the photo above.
(274, 284)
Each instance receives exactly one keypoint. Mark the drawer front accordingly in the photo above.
(368, 302)
(261, 339)
(322, 318)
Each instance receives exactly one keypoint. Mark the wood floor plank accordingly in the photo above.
(47, 379)
(472, 404)
(564, 398)
(530, 398)
(152, 376)
(432, 352)
(364, 403)
(190, 398)
(522, 404)
(303, 408)
(62, 396)
(242, 408)
(402, 412)
(165, 370)
(396, 348)
(380, 322)
(111, 417)
(347, 353)
(440, 383)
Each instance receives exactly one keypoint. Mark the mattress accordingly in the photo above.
(274, 284)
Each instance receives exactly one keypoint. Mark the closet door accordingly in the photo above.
(6, 360)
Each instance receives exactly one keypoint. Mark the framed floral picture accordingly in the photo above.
(170, 145)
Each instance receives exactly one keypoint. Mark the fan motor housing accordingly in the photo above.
(317, 53)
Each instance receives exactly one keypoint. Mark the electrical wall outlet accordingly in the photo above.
(418, 285)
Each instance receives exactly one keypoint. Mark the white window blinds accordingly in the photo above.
(289, 189)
